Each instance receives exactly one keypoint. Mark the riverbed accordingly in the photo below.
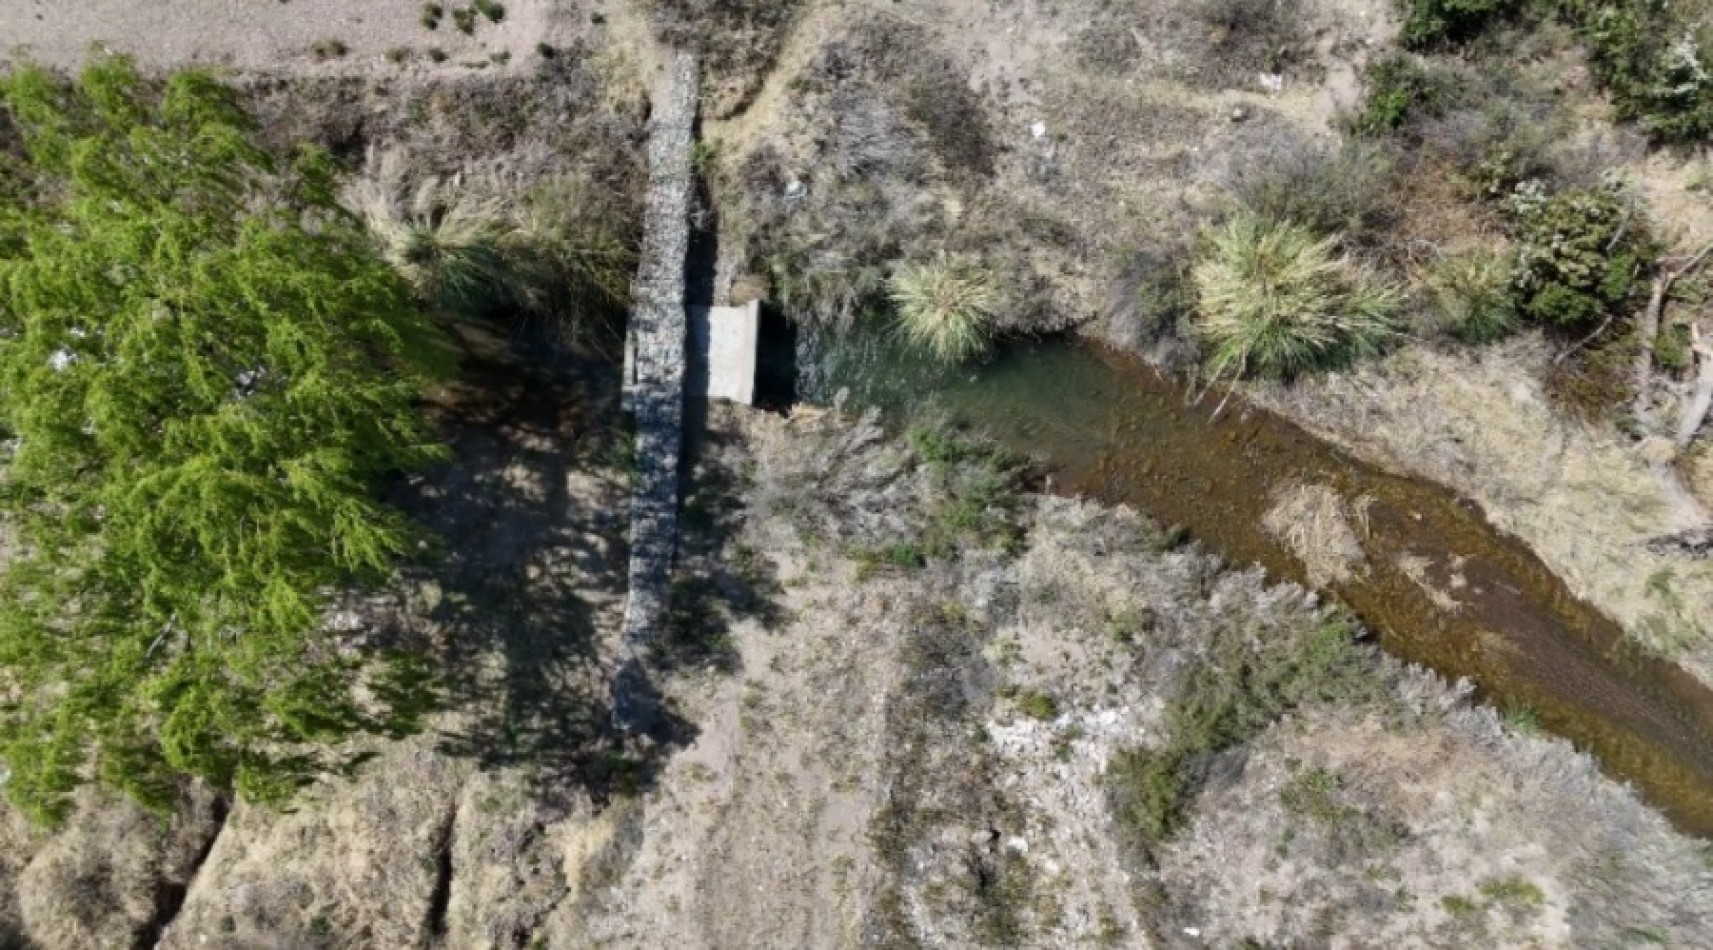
(1440, 585)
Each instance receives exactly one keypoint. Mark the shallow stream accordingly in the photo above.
(1109, 427)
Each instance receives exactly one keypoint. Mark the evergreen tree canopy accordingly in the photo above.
(205, 370)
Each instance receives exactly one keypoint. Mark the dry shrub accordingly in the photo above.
(1148, 302)
(827, 236)
(1245, 38)
(902, 64)
(1350, 193)
(556, 247)
(1315, 523)
(736, 40)
(1210, 44)
(98, 882)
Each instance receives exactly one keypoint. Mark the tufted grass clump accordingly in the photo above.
(557, 249)
(1475, 296)
(1274, 299)
(445, 243)
(947, 307)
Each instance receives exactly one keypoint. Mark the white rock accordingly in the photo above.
(1038, 130)
(1273, 82)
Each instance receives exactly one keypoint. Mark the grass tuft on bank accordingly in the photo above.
(1275, 300)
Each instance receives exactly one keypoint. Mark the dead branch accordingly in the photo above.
(1590, 338)
(1696, 404)
(1649, 329)
(1695, 542)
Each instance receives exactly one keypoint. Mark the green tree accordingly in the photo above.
(205, 371)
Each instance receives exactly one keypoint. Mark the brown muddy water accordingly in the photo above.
(1109, 427)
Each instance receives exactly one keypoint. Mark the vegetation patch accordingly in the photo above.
(975, 493)
(1650, 57)
(1225, 699)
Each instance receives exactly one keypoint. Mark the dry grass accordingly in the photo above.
(553, 246)
(1315, 522)
(356, 863)
(1439, 826)
(1579, 495)
(99, 882)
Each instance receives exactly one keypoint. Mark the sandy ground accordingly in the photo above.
(281, 36)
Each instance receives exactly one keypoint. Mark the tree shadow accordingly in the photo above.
(522, 590)
(720, 579)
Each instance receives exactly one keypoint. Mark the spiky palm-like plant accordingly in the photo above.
(1274, 299)
(946, 307)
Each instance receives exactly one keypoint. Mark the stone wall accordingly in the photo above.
(656, 383)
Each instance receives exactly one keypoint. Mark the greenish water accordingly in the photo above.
(1106, 426)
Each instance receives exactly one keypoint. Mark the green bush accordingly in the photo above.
(1652, 62)
(1435, 23)
(1476, 295)
(946, 307)
(1401, 87)
(206, 372)
(1582, 252)
(1272, 299)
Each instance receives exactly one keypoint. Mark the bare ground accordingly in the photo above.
(376, 38)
